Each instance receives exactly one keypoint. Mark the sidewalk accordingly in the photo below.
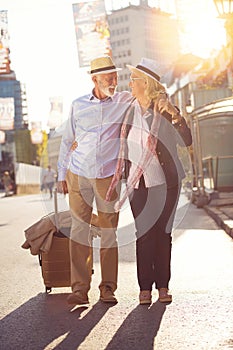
(199, 318)
(221, 210)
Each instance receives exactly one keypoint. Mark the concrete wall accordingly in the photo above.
(28, 178)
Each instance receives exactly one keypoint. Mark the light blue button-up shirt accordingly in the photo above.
(95, 125)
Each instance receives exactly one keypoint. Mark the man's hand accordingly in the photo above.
(62, 187)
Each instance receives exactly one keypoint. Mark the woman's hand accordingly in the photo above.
(112, 187)
(117, 206)
(164, 105)
(109, 195)
(74, 146)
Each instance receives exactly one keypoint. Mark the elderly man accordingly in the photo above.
(86, 171)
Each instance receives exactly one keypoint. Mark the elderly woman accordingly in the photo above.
(150, 133)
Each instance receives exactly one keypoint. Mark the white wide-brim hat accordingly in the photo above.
(102, 65)
(148, 67)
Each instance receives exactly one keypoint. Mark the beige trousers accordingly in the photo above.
(82, 193)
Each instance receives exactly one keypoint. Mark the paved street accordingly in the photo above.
(199, 318)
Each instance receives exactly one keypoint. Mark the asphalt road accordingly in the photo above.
(199, 318)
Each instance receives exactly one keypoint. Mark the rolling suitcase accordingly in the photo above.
(55, 264)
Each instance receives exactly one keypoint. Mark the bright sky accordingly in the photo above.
(43, 46)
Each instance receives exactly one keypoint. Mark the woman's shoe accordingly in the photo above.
(164, 297)
(145, 297)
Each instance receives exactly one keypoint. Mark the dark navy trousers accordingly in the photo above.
(154, 211)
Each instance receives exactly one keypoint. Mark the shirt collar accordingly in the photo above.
(92, 98)
(138, 109)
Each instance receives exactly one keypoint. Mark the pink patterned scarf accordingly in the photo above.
(148, 153)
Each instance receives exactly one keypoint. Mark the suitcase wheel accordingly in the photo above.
(48, 289)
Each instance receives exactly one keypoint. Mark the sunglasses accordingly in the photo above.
(133, 79)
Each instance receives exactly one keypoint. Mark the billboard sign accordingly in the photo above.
(36, 133)
(2, 137)
(92, 31)
(7, 113)
(4, 44)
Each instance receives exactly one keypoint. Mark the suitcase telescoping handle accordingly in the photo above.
(61, 231)
(56, 208)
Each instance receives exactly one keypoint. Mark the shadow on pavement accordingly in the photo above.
(139, 329)
(44, 319)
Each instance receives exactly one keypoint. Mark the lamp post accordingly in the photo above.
(225, 11)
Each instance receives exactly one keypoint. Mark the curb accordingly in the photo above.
(220, 218)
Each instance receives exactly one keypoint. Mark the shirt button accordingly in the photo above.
(162, 163)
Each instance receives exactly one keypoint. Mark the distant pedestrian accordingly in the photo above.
(7, 182)
(49, 179)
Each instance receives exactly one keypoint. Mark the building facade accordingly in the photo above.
(142, 31)
(10, 87)
(13, 123)
(13, 106)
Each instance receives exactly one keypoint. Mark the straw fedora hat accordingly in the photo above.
(148, 67)
(103, 65)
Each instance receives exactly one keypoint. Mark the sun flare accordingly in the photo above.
(202, 31)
